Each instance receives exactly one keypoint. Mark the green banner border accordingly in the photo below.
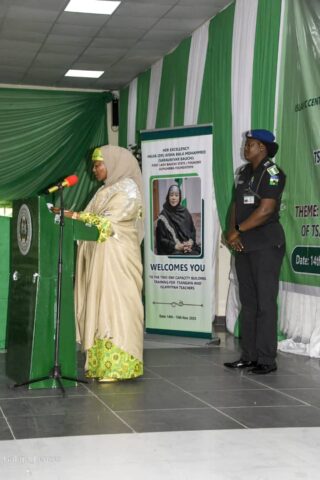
(179, 333)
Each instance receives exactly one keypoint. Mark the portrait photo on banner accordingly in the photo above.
(177, 216)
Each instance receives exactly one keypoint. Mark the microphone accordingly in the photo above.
(67, 182)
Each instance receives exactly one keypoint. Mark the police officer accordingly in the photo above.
(257, 237)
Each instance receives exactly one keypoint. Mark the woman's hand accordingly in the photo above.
(179, 246)
(187, 246)
(55, 210)
(67, 213)
(234, 240)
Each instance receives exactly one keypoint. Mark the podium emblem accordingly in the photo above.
(24, 229)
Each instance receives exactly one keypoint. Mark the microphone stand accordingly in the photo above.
(56, 372)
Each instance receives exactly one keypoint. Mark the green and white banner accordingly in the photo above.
(300, 144)
(298, 134)
(179, 285)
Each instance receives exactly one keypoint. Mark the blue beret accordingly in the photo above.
(267, 138)
(261, 135)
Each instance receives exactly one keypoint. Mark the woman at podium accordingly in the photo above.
(109, 310)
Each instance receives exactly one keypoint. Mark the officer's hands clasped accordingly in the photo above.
(234, 241)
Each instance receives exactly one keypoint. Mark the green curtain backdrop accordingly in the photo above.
(173, 86)
(46, 135)
(166, 92)
(299, 152)
(215, 106)
(181, 58)
(123, 117)
(216, 94)
(4, 276)
(142, 102)
(265, 64)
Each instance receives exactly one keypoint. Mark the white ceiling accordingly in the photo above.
(39, 42)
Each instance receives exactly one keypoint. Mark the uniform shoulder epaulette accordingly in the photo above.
(268, 163)
(273, 170)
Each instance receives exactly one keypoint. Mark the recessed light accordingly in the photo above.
(92, 6)
(84, 73)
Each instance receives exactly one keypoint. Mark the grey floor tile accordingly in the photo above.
(232, 353)
(170, 341)
(148, 374)
(4, 380)
(5, 433)
(90, 423)
(293, 371)
(276, 417)
(298, 365)
(165, 396)
(195, 370)
(220, 356)
(249, 398)
(174, 420)
(22, 407)
(278, 381)
(309, 395)
(165, 357)
(212, 383)
(7, 391)
(127, 387)
(298, 359)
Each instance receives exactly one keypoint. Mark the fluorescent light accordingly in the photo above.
(92, 6)
(84, 73)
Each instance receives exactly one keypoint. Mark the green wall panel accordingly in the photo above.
(4, 276)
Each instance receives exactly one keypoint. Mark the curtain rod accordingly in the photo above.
(37, 87)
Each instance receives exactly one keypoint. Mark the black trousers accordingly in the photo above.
(258, 276)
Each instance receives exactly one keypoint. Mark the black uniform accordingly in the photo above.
(258, 266)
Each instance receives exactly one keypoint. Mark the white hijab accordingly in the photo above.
(120, 164)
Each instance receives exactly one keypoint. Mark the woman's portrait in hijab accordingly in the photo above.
(176, 232)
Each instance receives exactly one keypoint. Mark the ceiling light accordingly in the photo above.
(84, 73)
(92, 6)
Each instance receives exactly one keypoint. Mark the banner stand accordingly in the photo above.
(182, 228)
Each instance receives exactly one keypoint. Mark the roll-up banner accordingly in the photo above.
(179, 255)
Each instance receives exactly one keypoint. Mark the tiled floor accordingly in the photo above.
(185, 387)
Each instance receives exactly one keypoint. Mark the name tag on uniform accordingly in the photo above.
(248, 199)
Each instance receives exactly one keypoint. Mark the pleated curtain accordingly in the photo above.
(229, 75)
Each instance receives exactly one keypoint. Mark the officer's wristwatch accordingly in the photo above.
(237, 227)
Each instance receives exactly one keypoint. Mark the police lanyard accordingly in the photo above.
(250, 194)
(255, 192)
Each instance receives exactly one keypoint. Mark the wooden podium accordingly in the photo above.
(33, 291)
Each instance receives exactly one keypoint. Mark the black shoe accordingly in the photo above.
(240, 364)
(262, 369)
